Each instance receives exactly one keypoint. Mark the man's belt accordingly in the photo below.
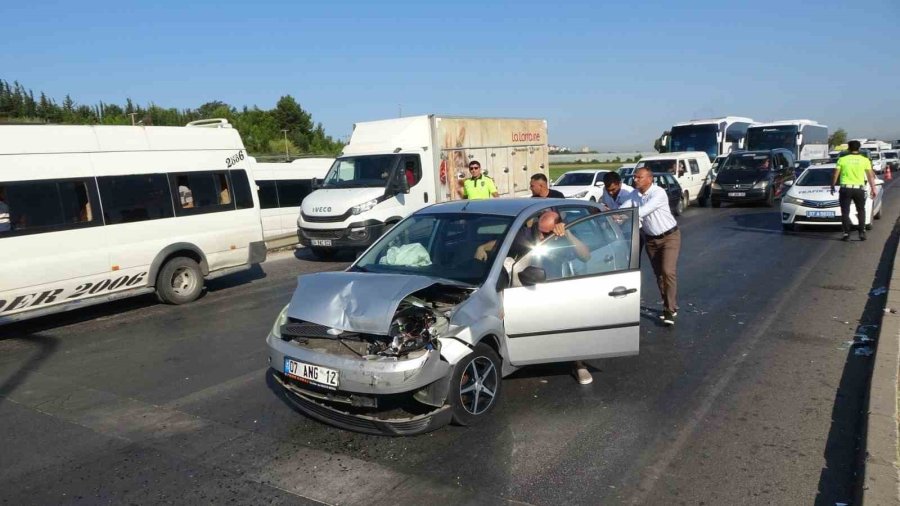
(667, 232)
(853, 186)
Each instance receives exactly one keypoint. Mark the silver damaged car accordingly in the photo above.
(422, 328)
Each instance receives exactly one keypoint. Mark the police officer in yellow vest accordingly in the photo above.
(478, 186)
(852, 171)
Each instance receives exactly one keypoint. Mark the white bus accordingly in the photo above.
(805, 138)
(282, 187)
(715, 136)
(94, 213)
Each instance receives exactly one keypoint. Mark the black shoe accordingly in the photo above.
(668, 318)
(846, 237)
(862, 237)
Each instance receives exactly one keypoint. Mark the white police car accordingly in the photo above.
(810, 201)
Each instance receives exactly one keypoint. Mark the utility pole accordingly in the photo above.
(132, 114)
(287, 157)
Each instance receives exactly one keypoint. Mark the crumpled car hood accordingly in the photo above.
(353, 301)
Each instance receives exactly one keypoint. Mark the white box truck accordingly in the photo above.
(392, 168)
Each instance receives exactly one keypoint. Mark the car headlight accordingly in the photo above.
(580, 195)
(716, 186)
(793, 200)
(365, 206)
(281, 320)
(762, 185)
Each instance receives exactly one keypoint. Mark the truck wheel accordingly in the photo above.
(475, 385)
(323, 253)
(179, 281)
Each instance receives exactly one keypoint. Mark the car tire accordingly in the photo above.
(323, 253)
(788, 227)
(467, 394)
(716, 203)
(770, 198)
(179, 281)
(687, 200)
(679, 208)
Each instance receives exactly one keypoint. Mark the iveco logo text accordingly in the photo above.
(321, 209)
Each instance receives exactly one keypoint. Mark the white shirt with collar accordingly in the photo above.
(653, 209)
(623, 199)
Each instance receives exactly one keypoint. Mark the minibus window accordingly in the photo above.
(268, 195)
(4, 211)
(222, 188)
(34, 205)
(291, 192)
(127, 199)
(240, 186)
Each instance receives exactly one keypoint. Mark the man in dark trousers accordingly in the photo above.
(663, 239)
(851, 171)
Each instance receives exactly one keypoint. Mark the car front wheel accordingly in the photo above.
(679, 207)
(475, 385)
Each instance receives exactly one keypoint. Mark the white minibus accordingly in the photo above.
(94, 213)
(281, 188)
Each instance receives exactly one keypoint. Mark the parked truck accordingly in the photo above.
(391, 168)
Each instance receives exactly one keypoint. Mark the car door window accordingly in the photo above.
(661, 181)
(695, 167)
(594, 245)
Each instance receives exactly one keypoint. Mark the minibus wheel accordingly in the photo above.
(180, 281)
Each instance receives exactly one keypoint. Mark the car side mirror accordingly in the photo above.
(315, 183)
(789, 182)
(532, 275)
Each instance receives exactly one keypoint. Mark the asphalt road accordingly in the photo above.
(756, 396)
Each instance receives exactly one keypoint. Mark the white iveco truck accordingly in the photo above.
(391, 168)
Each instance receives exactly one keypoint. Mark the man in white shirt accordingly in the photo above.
(615, 193)
(663, 239)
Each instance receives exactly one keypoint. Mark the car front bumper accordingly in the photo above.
(749, 195)
(800, 215)
(356, 236)
(368, 390)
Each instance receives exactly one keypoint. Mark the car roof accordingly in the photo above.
(498, 206)
(677, 155)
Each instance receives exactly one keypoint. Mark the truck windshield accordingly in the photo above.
(360, 171)
(771, 138)
(695, 138)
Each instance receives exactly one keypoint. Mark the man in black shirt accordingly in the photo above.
(540, 189)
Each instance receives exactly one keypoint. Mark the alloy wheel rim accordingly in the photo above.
(478, 386)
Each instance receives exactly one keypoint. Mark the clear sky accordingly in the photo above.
(610, 75)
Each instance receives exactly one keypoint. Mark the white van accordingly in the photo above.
(96, 213)
(281, 188)
(392, 168)
(689, 167)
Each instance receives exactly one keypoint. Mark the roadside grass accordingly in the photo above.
(558, 169)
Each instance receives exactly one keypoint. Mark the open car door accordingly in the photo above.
(577, 297)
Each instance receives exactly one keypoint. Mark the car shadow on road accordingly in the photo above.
(46, 347)
(770, 223)
(28, 328)
(839, 480)
(232, 280)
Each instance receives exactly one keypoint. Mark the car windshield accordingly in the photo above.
(695, 138)
(890, 155)
(437, 245)
(575, 179)
(360, 171)
(873, 155)
(750, 162)
(815, 177)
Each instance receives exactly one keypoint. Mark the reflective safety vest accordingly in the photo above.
(481, 188)
(853, 169)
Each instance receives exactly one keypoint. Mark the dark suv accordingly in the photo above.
(753, 176)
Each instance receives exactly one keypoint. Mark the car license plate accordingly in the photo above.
(321, 242)
(311, 373)
(820, 214)
(737, 194)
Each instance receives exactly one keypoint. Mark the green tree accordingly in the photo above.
(837, 138)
